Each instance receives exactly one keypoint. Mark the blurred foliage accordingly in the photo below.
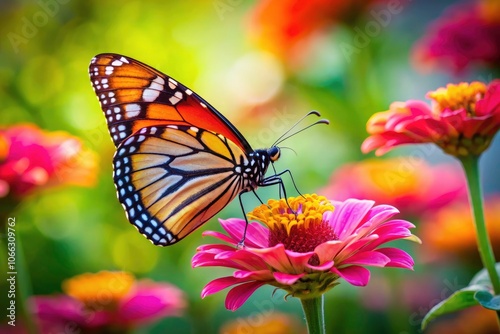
(46, 49)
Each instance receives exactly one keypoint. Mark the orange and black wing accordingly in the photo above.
(172, 179)
(134, 95)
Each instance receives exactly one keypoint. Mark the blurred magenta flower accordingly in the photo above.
(407, 183)
(306, 252)
(464, 35)
(107, 300)
(31, 158)
(462, 120)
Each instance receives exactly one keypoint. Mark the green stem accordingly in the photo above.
(315, 314)
(471, 168)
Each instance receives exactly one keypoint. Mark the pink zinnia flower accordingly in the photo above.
(304, 251)
(462, 36)
(407, 183)
(462, 120)
(31, 158)
(107, 300)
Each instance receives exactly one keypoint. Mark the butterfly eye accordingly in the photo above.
(274, 153)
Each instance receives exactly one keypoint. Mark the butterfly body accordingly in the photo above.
(178, 161)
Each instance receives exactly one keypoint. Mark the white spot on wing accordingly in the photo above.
(172, 83)
(132, 110)
(149, 95)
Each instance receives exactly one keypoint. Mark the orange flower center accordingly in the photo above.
(297, 222)
(100, 290)
(461, 96)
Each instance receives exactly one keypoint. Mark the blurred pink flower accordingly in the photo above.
(407, 183)
(462, 120)
(306, 252)
(464, 35)
(31, 158)
(112, 300)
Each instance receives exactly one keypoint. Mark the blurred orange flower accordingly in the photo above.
(462, 121)
(264, 323)
(450, 231)
(282, 26)
(469, 321)
(404, 182)
(464, 35)
(31, 158)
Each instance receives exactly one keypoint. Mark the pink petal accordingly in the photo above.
(399, 258)
(220, 236)
(299, 261)
(246, 259)
(234, 227)
(323, 267)
(355, 275)
(258, 275)
(348, 215)
(207, 259)
(287, 279)
(257, 236)
(219, 284)
(239, 295)
(276, 257)
(490, 103)
(380, 213)
(370, 258)
(328, 250)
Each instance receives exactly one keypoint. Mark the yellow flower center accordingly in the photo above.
(296, 222)
(100, 290)
(454, 97)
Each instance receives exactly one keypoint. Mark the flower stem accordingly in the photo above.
(471, 168)
(315, 314)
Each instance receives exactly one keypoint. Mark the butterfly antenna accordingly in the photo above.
(282, 138)
(288, 148)
(313, 112)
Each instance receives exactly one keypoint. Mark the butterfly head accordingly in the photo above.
(274, 153)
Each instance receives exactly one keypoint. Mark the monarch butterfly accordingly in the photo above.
(178, 161)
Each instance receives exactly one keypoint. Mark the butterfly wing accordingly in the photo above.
(134, 95)
(172, 179)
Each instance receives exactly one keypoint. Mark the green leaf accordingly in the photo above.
(487, 300)
(459, 300)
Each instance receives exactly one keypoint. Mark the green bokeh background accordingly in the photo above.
(70, 230)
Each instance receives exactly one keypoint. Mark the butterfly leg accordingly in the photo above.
(241, 244)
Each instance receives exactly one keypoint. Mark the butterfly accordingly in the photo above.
(178, 161)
